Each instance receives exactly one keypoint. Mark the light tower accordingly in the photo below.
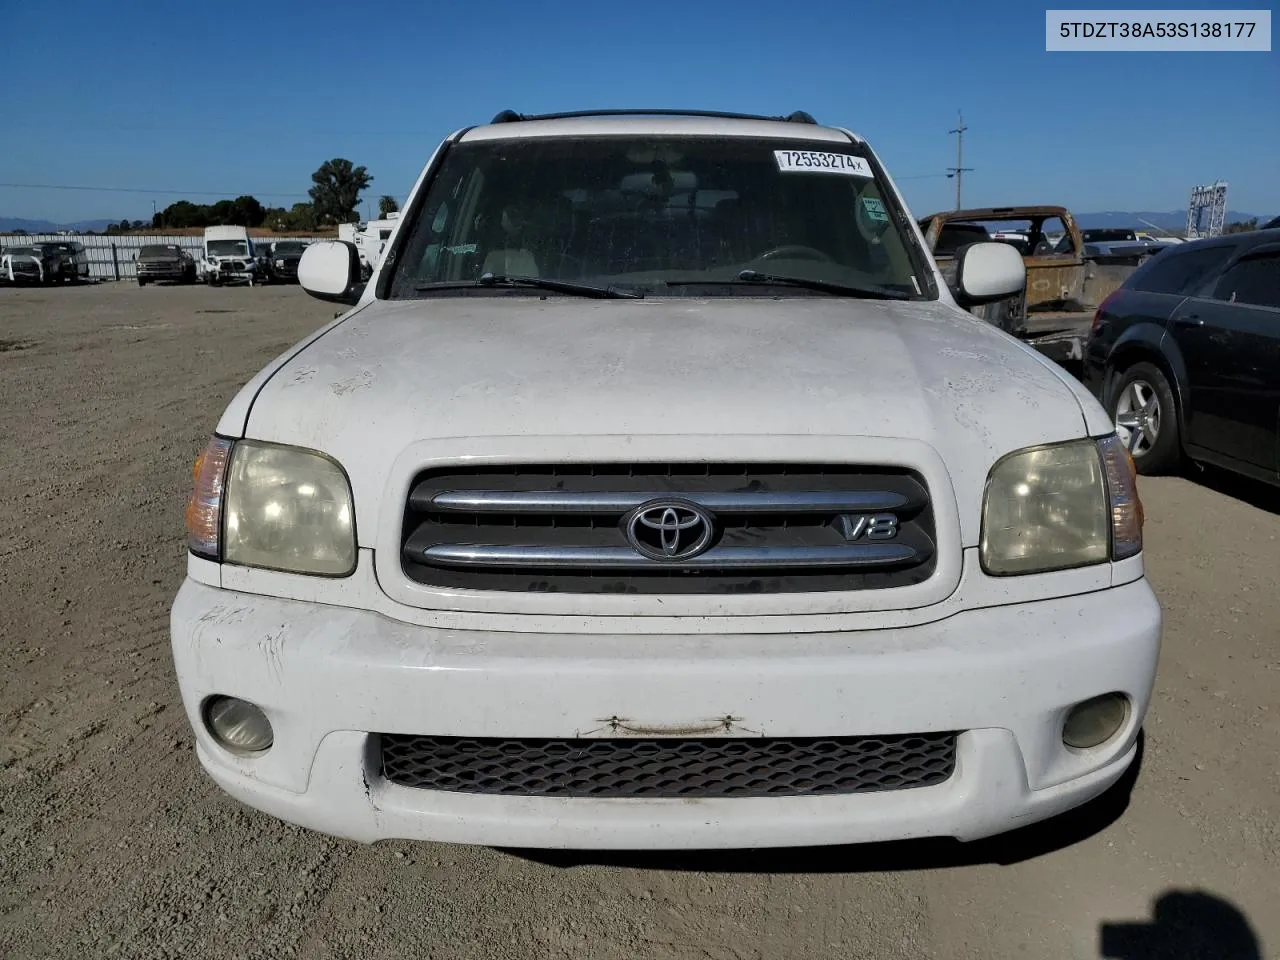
(1207, 202)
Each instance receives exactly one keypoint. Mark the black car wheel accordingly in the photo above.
(1146, 418)
(142, 282)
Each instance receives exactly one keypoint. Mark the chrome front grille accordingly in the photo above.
(669, 528)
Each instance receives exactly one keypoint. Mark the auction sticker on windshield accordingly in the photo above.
(806, 161)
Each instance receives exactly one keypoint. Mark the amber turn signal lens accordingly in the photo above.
(204, 508)
(1122, 492)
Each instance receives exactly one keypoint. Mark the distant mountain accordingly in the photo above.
(84, 226)
(9, 224)
(1165, 220)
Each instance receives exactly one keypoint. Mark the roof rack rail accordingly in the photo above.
(510, 116)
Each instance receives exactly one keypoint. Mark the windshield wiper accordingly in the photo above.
(539, 283)
(766, 279)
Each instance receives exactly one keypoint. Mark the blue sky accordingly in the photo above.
(179, 96)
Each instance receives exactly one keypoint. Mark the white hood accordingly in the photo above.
(396, 373)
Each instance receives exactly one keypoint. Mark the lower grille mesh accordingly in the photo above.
(661, 767)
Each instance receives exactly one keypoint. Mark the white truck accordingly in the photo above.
(369, 239)
(657, 491)
(228, 256)
(375, 236)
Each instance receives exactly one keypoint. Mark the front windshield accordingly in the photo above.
(282, 248)
(228, 248)
(158, 250)
(662, 216)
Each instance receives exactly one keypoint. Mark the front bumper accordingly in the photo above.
(175, 271)
(329, 676)
(231, 274)
(24, 274)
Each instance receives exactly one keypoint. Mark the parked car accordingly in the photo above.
(1272, 224)
(1055, 275)
(284, 258)
(165, 261)
(658, 491)
(1121, 245)
(1185, 356)
(1156, 243)
(262, 260)
(65, 260)
(228, 256)
(46, 262)
(21, 265)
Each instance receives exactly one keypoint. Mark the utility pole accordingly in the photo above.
(959, 170)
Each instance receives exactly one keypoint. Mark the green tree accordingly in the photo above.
(183, 214)
(244, 211)
(1242, 226)
(336, 194)
(247, 212)
(300, 217)
(387, 204)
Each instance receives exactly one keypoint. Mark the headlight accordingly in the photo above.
(267, 505)
(279, 263)
(1066, 505)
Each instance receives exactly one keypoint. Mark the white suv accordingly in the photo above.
(656, 491)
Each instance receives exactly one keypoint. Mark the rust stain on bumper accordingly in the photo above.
(622, 726)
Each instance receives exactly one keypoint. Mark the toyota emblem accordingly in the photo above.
(669, 530)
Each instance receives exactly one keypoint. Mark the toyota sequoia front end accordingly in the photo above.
(657, 492)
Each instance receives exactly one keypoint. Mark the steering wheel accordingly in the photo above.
(795, 251)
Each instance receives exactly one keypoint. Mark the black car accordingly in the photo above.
(1185, 356)
(284, 258)
(165, 261)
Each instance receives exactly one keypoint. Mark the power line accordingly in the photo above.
(152, 190)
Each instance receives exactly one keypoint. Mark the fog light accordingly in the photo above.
(1092, 722)
(237, 725)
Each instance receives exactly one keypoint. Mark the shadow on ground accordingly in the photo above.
(1237, 487)
(1186, 925)
(1016, 846)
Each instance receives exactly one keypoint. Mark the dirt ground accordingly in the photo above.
(113, 842)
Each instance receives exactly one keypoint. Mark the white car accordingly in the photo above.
(20, 264)
(656, 492)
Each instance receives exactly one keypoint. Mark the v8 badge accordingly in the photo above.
(868, 526)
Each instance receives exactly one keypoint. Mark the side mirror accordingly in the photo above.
(330, 270)
(986, 272)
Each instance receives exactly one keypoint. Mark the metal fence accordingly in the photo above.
(112, 258)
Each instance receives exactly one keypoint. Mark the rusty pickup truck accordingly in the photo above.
(1064, 285)
(1056, 268)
